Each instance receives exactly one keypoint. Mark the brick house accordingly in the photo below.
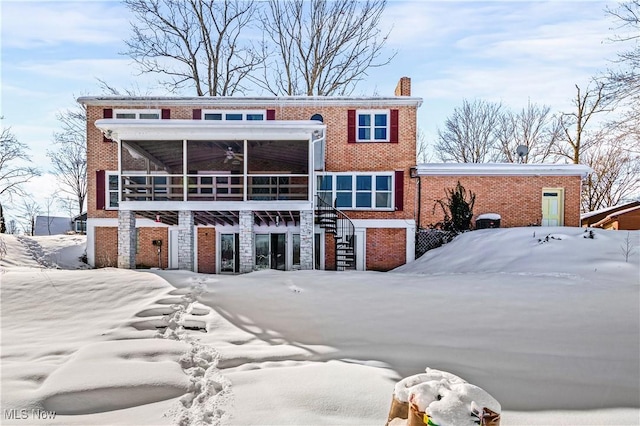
(622, 217)
(231, 185)
(521, 194)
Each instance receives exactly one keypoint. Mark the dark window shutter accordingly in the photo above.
(351, 126)
(107, 113)
(166, 114)
(197, 114)
(271, 114)
(393, 136)
(399, 189)
(100, 189)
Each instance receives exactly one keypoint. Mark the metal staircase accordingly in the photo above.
(335, 222)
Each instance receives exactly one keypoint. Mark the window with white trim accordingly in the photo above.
(137, 114)
(372, 126)
(111, 193)
(360, 191)
(234, 115)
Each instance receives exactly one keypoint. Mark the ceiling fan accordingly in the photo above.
(234, 157)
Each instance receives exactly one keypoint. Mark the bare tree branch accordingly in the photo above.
(321, 47)
(574, 141)
(195, 43)
(69, 160)
(15, 168)
(469, 135)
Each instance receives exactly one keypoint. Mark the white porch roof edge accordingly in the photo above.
(132, 129)
(502, 169)
(264, 102)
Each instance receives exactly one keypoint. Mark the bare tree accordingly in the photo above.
(3, 225)
(12, 227)
(194, 43)
(574, 140)
(29, 211)
(615, 177)
(15, 169)
(469, 135)
(69, 160)
(532, 127)
(626, 81)
(48, 208)
(322, 47)
(422, 152)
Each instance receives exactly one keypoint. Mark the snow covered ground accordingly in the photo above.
(545, 320)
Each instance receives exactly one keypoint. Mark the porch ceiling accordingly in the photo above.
(212, 155)
(221, 217)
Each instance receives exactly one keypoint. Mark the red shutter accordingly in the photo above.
(106, 113)
(100, 189)
(393, 136)
(351, 126)
(166, 114)
(271, 114)
(197, 114)
(399, 189)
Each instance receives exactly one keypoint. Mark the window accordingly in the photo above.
(233, 115)
(373, 126)
(112, 192)
(357, 191)
(141, 114)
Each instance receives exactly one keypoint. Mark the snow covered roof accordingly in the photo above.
(235, 101)
(611, 217)
(609, 210)
(132, 129)
(502, 169)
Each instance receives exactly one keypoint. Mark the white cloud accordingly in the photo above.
(34, 24)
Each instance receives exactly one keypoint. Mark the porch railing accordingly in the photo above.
(214, 187)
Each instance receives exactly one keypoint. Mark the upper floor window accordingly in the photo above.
(233, 115)
(357, 191)
(373, 126)
(140, 114)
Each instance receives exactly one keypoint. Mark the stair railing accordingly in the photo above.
(336, 222)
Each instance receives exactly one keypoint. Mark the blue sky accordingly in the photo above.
(508, 51)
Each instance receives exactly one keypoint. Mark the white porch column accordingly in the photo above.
(126, 239)
(306, 239)
(185, 240)
(246, 241)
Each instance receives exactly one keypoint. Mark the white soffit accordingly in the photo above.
(250, 102)
(131, 129)
(502, 169)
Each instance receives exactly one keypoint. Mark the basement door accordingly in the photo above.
(552, 207)
(271, 251)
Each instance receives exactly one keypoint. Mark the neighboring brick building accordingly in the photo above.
(622, 217)
(522, 194)
(228, 185)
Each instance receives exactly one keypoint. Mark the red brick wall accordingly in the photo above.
(106, 246)
(147, 255)
(206, 250)
(329, 252)
(517, 199)
(340, 155)
(386, 248)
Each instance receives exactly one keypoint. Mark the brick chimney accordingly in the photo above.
(404, 87)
